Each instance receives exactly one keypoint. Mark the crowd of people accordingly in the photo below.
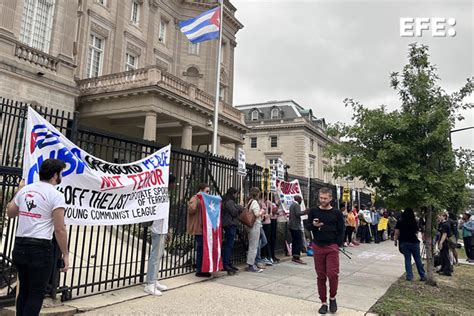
(328, 228)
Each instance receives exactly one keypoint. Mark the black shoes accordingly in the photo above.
(234, 268)
(332, 306)
(203, 274)
(323, 309)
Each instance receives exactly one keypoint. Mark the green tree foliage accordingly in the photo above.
(407, 154)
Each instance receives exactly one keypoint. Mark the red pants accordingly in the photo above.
(326, 263)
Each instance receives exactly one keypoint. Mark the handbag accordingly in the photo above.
(247, 217)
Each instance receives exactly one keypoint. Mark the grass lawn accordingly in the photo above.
(453, 295)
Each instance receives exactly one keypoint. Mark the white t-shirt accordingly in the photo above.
(36, 203)
(160, 226)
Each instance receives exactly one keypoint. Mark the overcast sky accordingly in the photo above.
(319, 52)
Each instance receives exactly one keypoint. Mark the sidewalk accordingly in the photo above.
(286, 288)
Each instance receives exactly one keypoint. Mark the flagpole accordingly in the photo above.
(216, 104)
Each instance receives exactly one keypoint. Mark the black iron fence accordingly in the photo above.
(109, 257)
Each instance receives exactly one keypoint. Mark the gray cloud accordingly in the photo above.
(320, 52)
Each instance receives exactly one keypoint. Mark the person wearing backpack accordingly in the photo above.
(194, 227)
(230, 219)
(158, 231)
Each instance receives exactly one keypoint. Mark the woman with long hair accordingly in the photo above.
(406, 235)
(254, 231)
(230, 219)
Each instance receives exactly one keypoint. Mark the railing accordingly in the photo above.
(174, 83)
(155, 75)
(36, 57)
(116, 79)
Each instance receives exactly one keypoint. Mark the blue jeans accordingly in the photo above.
(229, 235)
(408, 250)
(156, 252)
(263, 243)
(198, 239)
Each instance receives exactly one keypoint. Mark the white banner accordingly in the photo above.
(273, 181)
(280, 169)
(242, 171)
(287, 192)
(98, 192)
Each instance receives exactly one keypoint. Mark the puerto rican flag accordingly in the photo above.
(211, 232)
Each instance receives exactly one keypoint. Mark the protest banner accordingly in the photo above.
(273, 181)
(242, 170)
(97, 192)
(346, 195)
(287, 192)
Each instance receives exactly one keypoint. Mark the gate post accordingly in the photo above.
(143, 257)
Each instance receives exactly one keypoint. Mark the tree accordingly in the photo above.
(406, 154)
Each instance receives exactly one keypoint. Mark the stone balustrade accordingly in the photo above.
(154, 75)
(36, 57)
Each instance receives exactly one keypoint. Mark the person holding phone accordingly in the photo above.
(326, 224)
(40, 208)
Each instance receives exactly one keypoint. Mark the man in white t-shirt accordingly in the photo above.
(159, 231)
(40, 210)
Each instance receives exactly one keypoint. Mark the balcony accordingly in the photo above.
(154, 76)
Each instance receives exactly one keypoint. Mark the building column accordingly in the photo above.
(149, 133)
(187, 138)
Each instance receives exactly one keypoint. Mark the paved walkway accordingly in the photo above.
(286, 288)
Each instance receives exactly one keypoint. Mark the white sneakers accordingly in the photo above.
(155, 289)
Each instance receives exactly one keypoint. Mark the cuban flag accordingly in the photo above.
(202, 27)
(211, 232)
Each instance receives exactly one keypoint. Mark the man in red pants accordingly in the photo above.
(327, 225)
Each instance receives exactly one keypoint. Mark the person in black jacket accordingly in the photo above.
(296, 229)
(327, 226)
(230, 219)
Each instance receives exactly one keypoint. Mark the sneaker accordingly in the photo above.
(345, 244)
(267, 261)
(161, 287)
(298, 260)
(151, 289)
(261, 265)
(276, 260)
(253, 268)
(332, 306)
(351, 245)
(203, 274)
(423, 279)
(323, 309)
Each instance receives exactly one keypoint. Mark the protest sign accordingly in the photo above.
(98, 192)
(273, 181)
(280, 169)
(287, 192)
(242, 170)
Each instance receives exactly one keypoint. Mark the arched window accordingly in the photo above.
(275, 113)
(192, 72)
(254, 115)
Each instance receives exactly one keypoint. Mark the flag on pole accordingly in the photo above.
(202, 27)
(211, 232)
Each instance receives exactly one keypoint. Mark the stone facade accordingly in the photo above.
(124, 65)
(298, 138)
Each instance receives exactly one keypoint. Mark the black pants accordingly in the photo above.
(34, 263)
(468, 247)
(266, 249)
(444, 255)
(375, 235)
(296, 242)
(348, 234)
(272, 238)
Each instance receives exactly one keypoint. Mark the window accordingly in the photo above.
(253, 142)
(275, 113)
(312, 145)
(254, 115)
(96, 52)
(273, 141)
(131, 62)
(135, 17)
(273, 163)
(193, 48)
(162, 33)
(37, 23)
